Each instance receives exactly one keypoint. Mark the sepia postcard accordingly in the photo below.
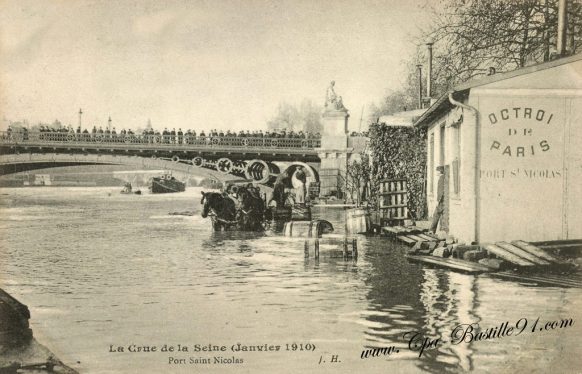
(262, 186)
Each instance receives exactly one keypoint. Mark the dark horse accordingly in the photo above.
(251, 214)
(221, 209)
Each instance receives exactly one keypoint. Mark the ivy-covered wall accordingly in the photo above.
(400, 152)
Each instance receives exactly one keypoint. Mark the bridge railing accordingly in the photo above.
(33, 137)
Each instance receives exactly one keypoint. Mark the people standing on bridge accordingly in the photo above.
(148, 135)
(173, 136)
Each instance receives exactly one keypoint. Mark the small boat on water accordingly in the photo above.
(128, 190)
(166, 184)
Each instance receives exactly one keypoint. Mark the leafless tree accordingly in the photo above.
(470, 36)
(306, 117)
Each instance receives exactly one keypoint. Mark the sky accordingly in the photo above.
(197, 64)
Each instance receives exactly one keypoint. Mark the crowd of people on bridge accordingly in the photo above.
(45, 132)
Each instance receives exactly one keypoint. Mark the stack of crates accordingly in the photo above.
(393, 201)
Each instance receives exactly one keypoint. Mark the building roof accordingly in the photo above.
(406, 118)
(442, 104)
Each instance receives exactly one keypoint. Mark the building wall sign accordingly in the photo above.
(521, 122)
(522, 165)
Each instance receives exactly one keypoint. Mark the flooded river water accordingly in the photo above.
(100, 270)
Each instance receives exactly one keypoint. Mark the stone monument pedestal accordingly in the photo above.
(335, 130)
(334, 150)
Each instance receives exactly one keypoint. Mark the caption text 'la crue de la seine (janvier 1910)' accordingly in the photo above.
(414, 341)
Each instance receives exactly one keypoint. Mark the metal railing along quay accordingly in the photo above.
(178, 141)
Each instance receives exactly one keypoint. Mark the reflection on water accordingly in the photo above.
(98, 268)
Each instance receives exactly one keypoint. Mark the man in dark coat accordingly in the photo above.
(440, 208)
(279, 189)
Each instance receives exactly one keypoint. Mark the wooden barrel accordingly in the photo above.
(333, 247)
(307, 229)
(358, 221)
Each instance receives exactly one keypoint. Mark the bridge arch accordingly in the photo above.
(312, 175)
(18, 162)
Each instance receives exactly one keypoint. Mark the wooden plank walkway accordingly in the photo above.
(427, 238)
(506, 255)
(528, 247)
(518, 252)
(522, 253)
(558, 242)
(406, 239)
(451, 263)
(416, 238)
(409, 234)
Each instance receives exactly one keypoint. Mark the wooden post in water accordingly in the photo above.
(316, 255)
(354, 248)
(345, 248)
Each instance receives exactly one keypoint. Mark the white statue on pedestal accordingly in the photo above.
(332, 101)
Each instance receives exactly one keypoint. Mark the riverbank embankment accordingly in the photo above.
(18, 348)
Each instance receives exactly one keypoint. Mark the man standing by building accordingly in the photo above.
(440, 207)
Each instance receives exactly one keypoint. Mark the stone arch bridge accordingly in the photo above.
(257, 159)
